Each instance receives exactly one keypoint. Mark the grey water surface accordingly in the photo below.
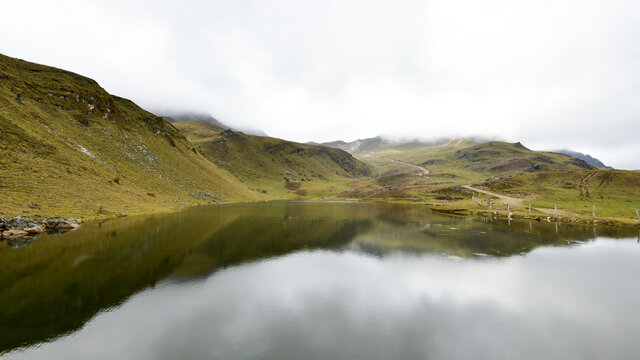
(296, 280)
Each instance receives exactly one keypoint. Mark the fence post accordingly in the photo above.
(594, 211)
(638, 214)
(529, 207)
(508, 207)
(555, 207)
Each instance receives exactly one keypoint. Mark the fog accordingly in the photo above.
(552, 75)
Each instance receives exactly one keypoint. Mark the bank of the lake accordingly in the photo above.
(320, 280)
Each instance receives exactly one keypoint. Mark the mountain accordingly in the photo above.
(467, 160)
(588, 158)
(380, 143)
(270, 165)
(186, 116)
(69, 147)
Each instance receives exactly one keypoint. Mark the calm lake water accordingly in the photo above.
(321, 281)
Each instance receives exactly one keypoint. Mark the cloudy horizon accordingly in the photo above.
(552, 75)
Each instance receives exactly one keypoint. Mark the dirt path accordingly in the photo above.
(424, 170)
(553, 212)
(518, 202)
(507, 199)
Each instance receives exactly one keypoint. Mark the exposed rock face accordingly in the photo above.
(34, 230)
(14, 233)
(21, 226)
(57, 223)
(21, 222)
(532, 168)
(519, 145)
(67, 226)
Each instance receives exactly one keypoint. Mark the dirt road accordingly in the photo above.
(507, 199)
(424, 170)
(518, 202)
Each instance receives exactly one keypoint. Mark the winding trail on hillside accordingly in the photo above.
(507, 199)
(424, 170)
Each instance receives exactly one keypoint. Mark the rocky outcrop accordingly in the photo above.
(21, 222)
(14, 233)
(21, 226)
(61, 223)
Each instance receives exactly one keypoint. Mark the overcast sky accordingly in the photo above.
(551, 74)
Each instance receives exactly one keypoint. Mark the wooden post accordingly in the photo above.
(508, 207)
(594, 211)
(529, 207)
(555, 207)
(637, 213)
(491, 203)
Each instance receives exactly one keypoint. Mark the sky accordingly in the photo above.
(550, 74)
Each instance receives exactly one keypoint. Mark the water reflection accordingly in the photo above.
(302, 280)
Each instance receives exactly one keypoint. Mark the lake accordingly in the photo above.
(304, 280)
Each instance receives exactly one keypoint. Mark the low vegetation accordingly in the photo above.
(70, 149)
(276, 168)
(67, 147)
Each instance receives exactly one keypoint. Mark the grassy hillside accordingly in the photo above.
(274, 167)
(544, 179)
(68, 147)
(615, 193)
(468, 161)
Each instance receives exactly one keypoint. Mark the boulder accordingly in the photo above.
(67, 226)
(62, 224)
(4, 223)
(14, 233)
(34, 230)
(55, 223)
(21, 222)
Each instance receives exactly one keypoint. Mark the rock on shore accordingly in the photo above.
(21, 226)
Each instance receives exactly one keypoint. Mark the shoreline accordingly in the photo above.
(41, 225)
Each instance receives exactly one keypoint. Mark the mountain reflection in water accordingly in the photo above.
(320, 280)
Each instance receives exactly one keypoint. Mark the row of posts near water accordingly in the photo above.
(483, 202)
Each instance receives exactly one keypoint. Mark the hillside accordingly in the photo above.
(68, 147)
(467, 161)
(185, 116)
(615, 193)
(586, 157)
(275, 167)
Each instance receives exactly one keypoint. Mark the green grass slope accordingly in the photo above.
(275, 167)
(615, 193)
(68, 147)
(463, 160)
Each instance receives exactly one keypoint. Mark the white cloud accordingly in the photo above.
(550, 74)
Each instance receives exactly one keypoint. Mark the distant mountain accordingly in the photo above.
(380, 143)
(274, 166)
(361, 145)
(588, 158)
(187, 116)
